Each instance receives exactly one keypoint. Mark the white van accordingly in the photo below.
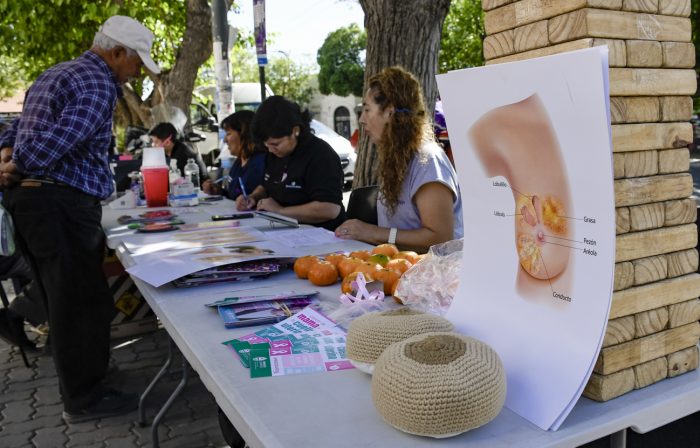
(246, 95)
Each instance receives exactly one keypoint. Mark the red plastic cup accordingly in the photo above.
(155, 185)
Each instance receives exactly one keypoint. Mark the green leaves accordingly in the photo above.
(341, 58)
(462, 36)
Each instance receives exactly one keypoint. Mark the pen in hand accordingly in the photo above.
(243, 192)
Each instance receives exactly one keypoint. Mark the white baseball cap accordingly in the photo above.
(132, 34)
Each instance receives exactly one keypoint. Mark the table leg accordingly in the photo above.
(618, 439)
(156, 421)
(163, 370)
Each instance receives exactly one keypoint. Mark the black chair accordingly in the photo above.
(362, 204)
(5, 314)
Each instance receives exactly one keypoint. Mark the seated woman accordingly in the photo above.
(303, 177)
(419, 202)
(247, 169)
(165, 135)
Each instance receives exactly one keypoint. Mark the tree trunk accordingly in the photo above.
(175, 86)
(405, 33)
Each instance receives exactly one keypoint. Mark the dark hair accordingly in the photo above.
(241, 122)
(277, 116)
(163, 131)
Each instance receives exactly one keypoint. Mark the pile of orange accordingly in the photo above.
(384, 263)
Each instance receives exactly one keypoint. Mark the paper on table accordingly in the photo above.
(310, 236)
(159, 268)
(304, 343)
(139, 245)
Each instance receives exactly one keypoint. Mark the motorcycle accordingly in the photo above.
(136, 137)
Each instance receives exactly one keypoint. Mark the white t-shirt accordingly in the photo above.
(430, 164)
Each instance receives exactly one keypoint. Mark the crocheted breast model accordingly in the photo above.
(438, 384)
(370, 334)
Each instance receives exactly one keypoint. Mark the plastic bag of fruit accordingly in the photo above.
(431, 284)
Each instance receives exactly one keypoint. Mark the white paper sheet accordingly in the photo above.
(309, 236)
(159, 268)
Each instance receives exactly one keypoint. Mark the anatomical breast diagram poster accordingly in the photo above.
(532, 148)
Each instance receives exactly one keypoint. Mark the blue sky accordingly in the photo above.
(300, 26)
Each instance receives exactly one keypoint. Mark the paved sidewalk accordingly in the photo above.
(30, 406)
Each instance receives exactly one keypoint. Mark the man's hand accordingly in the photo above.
(9, 176)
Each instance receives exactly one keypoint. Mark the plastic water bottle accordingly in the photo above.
(192, 173)
(135, 186)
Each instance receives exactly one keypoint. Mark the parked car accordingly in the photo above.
(341, 145)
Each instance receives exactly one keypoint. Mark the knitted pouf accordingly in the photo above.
(438, 384)
(370, 334)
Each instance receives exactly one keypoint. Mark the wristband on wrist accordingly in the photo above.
(392, 235)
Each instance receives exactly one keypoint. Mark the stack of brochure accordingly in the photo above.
(307, 342)
(250, 270)
(262, 309)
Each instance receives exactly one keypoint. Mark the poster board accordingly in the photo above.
(532, 148)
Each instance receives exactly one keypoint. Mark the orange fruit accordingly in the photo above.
(389, 278)
(348, 265)
(323, 273)
(361, 254)
(399, 265)
(379, 259)
(407, 255)
(386, 249)
(303, 264)
(335, 259)
(346, 285)
(367, 267)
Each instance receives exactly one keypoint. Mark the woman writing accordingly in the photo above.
(419, 202)
(303, 177)
(247, 169)
(165, 135)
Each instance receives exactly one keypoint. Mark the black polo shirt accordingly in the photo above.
(312, 172)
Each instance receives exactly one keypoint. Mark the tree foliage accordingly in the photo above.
(41, 34)
(11, 76)
(341, 62)
(462, 36)
(290, 79)
(284, 75)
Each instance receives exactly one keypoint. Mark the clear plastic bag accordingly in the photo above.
(358, 303)
(431, 284)
(344, 314)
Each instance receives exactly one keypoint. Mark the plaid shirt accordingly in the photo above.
(65, 130)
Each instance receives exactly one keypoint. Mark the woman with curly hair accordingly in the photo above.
(419, 202)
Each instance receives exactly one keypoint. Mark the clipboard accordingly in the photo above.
(276, 218)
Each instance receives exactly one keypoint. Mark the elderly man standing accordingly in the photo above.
(60, 171)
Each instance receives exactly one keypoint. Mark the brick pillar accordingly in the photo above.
(653, 328)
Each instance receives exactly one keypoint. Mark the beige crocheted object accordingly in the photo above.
(438, 384)
(370, 334)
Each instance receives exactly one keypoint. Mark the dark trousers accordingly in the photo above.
(60, 233)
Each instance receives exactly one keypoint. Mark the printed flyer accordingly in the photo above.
(304, 343)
